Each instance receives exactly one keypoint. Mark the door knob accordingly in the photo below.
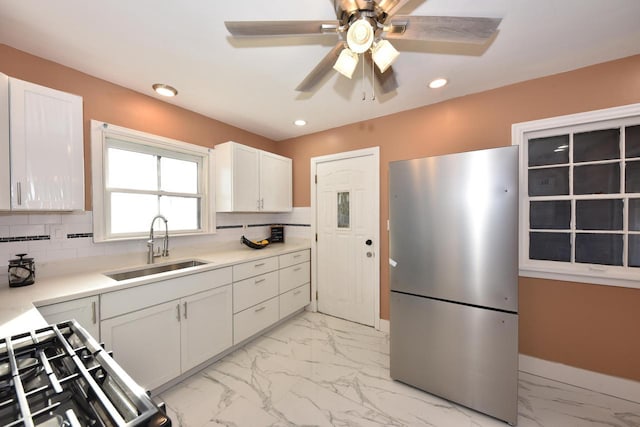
(369, 254)
(368, 242)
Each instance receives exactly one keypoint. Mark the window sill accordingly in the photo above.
(157, 237)
(604, 279)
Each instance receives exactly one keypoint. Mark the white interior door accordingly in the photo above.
(347, 225)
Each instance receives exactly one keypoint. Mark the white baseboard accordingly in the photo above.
(606, 384)
(384, 325)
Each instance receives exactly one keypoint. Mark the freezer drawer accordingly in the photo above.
(464, 354)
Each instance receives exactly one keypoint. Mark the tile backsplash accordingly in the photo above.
(68, 236)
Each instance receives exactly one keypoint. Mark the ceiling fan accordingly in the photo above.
(364, 27)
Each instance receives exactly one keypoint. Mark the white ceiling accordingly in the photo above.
(250, 83)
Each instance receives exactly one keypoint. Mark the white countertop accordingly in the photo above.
(18, 311)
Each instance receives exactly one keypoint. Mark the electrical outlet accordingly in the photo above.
(57, 232)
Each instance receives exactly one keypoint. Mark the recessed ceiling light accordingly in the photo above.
(300, 122)
(437, 83)
(164, 90)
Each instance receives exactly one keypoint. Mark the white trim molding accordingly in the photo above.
(601, 383)
(384, 326)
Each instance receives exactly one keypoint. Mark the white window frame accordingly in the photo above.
(575, 272)
(100, 131)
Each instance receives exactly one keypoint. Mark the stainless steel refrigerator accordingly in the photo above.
(453, 255)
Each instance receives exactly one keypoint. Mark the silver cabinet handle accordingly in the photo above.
(185, 309)
(94, 317)
(261, 203)
(260, 309)
(297, 292)
(297, 256)
(259, 265)
(259, 281)
(258, 204)
(178, 309)
(19, 190)
(297, 269)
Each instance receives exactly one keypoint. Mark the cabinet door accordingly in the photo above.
(5, 181)
(84, 310)
(206, 325)
(47, 162)
(275, 183)
(146, 343)
(245, 178)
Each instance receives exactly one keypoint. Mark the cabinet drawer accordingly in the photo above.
(136, 298)
(294, 300)
(294, 258)
(294, 276)
(253, 268)
(254, 290)
(254, 319)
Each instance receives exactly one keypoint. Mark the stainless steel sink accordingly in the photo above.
(154, 269)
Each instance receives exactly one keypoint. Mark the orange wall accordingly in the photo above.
(117, 105)
(587, 326)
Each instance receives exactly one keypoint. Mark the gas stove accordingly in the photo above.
(60, 376)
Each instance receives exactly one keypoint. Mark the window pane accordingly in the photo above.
(634, 250)
(550, 246)
(549, 182)
(599, 214)
(632, 141)
(599, 248)
(634, 214)
(596, 145)
(343, 209)
(632, 177)
(550, 214)
(132, 213)
(181, 212)
(178, 176)
(596, 179)
(552, 150)
(128, 169)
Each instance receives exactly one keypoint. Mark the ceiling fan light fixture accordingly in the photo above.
(164, 90)
(346, 63)
(360, 36)
(438, 83)
(384, 55)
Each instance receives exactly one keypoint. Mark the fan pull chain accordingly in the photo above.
(364, 93)
(373, 83)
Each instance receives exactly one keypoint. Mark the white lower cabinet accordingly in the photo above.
(294, 300)
(206, 326)
(84, 310)
(177, 335)
(146, 343)
(254, 319)
(260, 300)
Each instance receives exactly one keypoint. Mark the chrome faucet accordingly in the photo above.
(165, 249)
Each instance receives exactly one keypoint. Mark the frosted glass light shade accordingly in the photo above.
(360, 36)
(346, 63)
(384, 54)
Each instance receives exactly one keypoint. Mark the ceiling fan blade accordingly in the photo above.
(390, 7)
(280, 28)
(323, 67)
(455, 29)
(387, 80)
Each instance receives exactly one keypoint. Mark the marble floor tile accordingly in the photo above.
(316, 370)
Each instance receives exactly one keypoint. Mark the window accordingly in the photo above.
(580, 197)
(137, 176)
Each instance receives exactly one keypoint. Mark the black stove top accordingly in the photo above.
(60, 376)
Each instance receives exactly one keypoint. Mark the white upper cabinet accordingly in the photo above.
(252, 180)
(46, 145)
(5, 177)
